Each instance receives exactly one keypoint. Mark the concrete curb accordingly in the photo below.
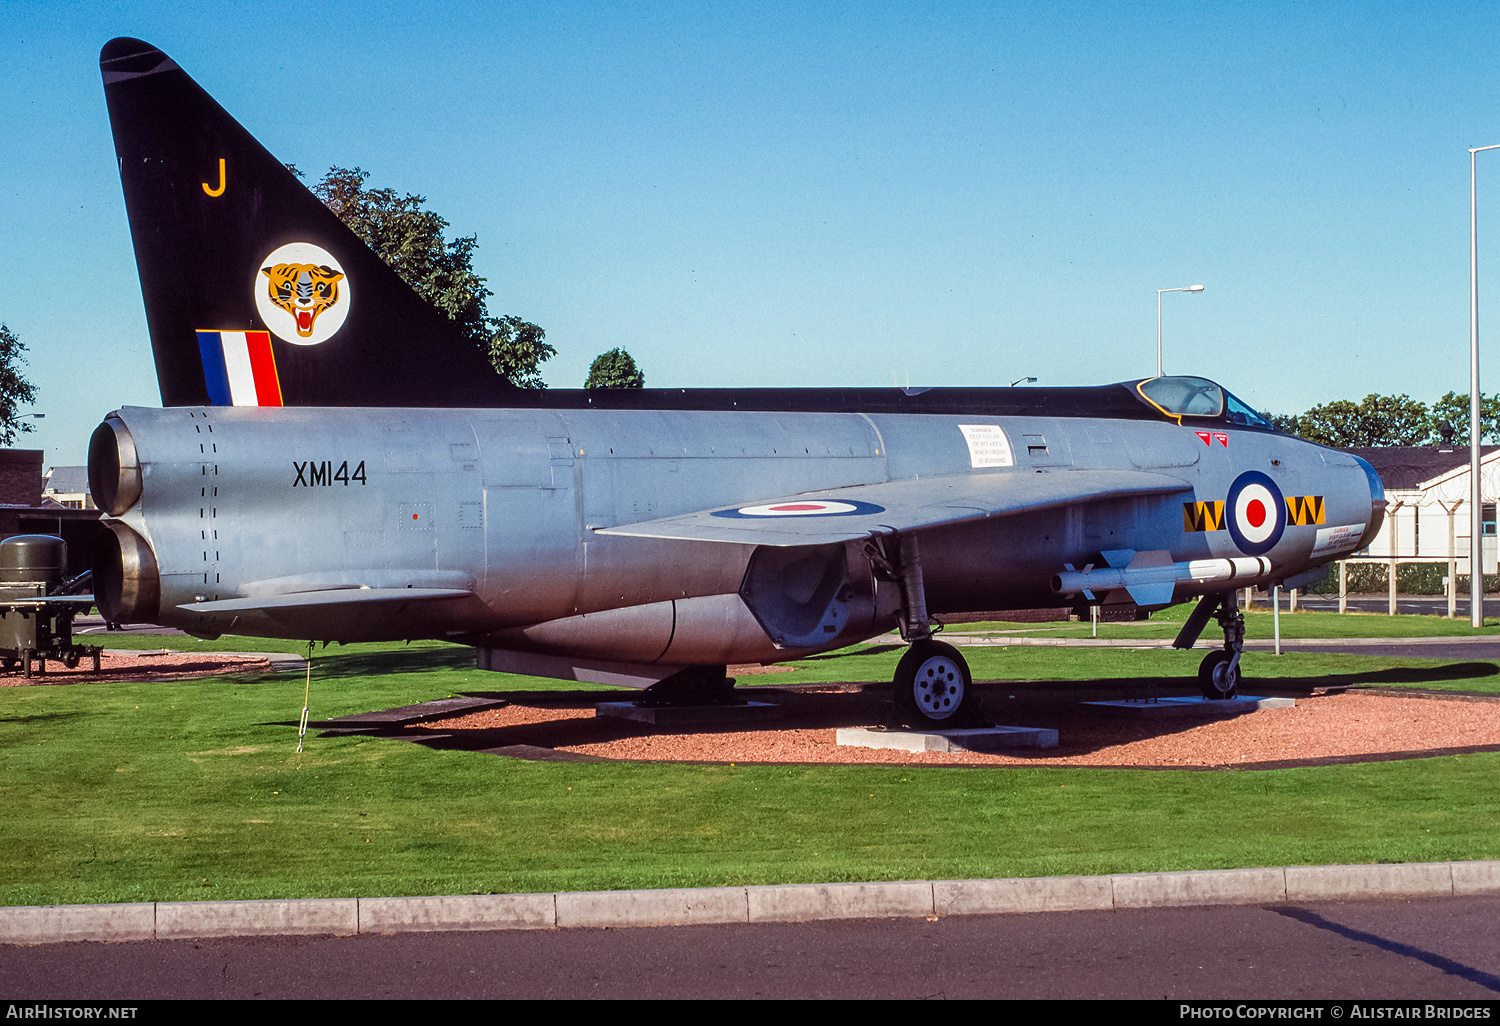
(181, 920)
(778, 903)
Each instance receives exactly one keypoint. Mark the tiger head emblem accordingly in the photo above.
(304, 291)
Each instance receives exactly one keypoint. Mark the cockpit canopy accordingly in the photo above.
(1182, 396)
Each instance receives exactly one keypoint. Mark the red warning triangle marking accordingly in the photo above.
(1207, 439)
(1223, 439)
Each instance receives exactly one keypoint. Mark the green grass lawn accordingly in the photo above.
(193, 790)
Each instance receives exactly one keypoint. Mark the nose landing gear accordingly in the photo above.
(1219, 673)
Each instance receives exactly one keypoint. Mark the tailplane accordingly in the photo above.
(255, 293)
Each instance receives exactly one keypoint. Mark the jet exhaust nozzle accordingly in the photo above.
(127, 584)
(114, 467)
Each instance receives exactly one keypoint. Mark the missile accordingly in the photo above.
(1151, 577)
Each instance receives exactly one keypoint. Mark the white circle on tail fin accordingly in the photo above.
(302, 293)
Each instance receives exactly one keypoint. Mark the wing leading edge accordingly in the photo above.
(859, 511)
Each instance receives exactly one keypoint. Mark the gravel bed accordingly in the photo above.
(1353, 726)
(139, 666)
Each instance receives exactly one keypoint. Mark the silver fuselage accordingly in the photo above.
(507, 504)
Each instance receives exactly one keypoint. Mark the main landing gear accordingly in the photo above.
(1219, 673)
(932, 686)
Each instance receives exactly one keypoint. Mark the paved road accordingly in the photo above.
(1420, 605)
(1433, 948)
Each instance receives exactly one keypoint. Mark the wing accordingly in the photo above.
(859, 511)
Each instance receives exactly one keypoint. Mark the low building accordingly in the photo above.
(25, 510)
(69, 487)
(1427, 517)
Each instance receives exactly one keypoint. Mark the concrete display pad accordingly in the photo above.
(972, 739)
(441, 709)
(1195, 707)
(689, 715)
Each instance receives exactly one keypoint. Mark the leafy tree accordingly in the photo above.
(615, 369)
(516, 348)
(1453, 409)
(14, 388)
(411, 239)
(1291, 423)
(1378, 420)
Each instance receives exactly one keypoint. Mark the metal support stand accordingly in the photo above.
(692, 685)
(1391, 610)
(1276, 615)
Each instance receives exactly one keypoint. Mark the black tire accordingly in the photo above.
(1215, 678)
(70, 660)
(933, 686)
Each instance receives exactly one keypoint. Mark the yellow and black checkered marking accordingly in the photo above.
(1304, 509)
(1207, 516)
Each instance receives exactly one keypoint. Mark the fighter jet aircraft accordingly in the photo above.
(335, 461)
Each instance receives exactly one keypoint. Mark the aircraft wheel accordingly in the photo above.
(1215, 677)
(933, 685)
(71, 660)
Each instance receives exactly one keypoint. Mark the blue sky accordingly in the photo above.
(820, 194)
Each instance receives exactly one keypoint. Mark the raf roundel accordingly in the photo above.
(803, 508)
(302, 293)
(1255, 513)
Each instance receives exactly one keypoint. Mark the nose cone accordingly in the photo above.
(1377, 502)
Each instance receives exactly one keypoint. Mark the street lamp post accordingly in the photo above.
(1185, 288)
(1476, 510)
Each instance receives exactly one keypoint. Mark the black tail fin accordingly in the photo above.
(256, 294)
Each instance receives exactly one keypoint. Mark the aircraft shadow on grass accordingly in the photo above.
(342, 665)
(1416, 675)
(1052, 703)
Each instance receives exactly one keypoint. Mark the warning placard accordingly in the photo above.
(988, 446)
(1337, 539)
